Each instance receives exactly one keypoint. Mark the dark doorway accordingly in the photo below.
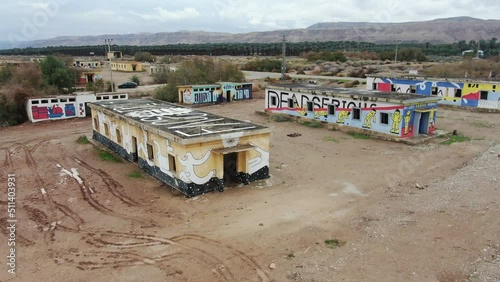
(134, 149)
(88, 112)
(228, 96)
(230, 169)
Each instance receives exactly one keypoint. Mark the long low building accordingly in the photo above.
(66, 106)
(393, 114)
(214, 93)
(462, 93)
(192, 151)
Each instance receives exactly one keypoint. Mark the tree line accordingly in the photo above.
(491, 47)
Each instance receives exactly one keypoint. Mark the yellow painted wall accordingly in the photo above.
(475, 87)
(126, 66)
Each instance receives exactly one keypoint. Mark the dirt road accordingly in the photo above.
(85, 219)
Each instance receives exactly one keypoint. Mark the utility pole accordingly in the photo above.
(283, 62)
(396, 56)
(108, 42)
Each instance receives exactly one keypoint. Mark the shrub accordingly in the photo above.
(144, 57)
(266, 65)
(136, 79)
(167, 93)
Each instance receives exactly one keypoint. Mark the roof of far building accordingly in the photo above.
(181, 124)
(435, 79)
(356, 94)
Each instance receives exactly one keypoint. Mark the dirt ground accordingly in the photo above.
(83, 219)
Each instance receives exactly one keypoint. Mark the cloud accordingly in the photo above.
(35, 5)
(163, 15)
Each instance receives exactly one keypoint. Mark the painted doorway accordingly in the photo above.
(228, 96)
(424, 123)
(135, 155)
(230, 169)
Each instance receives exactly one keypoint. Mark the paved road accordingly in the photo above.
(249, 75)
(262, 75)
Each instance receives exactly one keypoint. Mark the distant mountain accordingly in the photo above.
(446, 30)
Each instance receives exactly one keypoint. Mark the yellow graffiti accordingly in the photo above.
(407, 122)
(318, 114)
(301, 111)
(396, 121)
(372, 115)
(342, 116)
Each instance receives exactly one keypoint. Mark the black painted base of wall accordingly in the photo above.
(246, 178)
(114, 147)
(188, 189)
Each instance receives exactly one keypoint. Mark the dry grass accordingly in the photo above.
(474, 68)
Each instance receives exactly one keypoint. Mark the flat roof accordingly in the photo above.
(437, 79)
(355, 93)
(181, 124)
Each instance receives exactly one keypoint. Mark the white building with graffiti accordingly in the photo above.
(192, 151)
(393, 114)
(67, 106)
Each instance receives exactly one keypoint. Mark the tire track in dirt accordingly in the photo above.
(112, 185)
(250, 262)
(88, 195)
(50, 218)
(179, 246)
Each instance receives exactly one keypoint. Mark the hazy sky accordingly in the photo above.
(39, 19)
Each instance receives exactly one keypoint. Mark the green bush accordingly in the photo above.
(144, 57)
(136, 79)
(328, 56)
(167, 93)
(266, 65)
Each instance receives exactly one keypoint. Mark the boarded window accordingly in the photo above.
(118, 136)
(171, 163)
(356, 113)
(151, 155)
(106, 129)
(331, 110)
(310, 106)
(384, 118)
(290, 103)
(484, 95)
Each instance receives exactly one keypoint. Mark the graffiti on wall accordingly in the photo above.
(183, 121)
(53, 111)
(259, 162)
(189, 162)
(187, 96)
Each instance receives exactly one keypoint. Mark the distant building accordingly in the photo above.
(463, 93)
(67, 106)
(192, 151)
(215, 93)
(115, 55)
(89, 76)
(127, 66)
(88, 64)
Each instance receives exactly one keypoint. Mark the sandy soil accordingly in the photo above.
(325, 185)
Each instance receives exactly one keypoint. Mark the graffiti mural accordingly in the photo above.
(371, 116)
(396, 121)
(392, 117)
(188, 175)
(40, 113)
(259, 162)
